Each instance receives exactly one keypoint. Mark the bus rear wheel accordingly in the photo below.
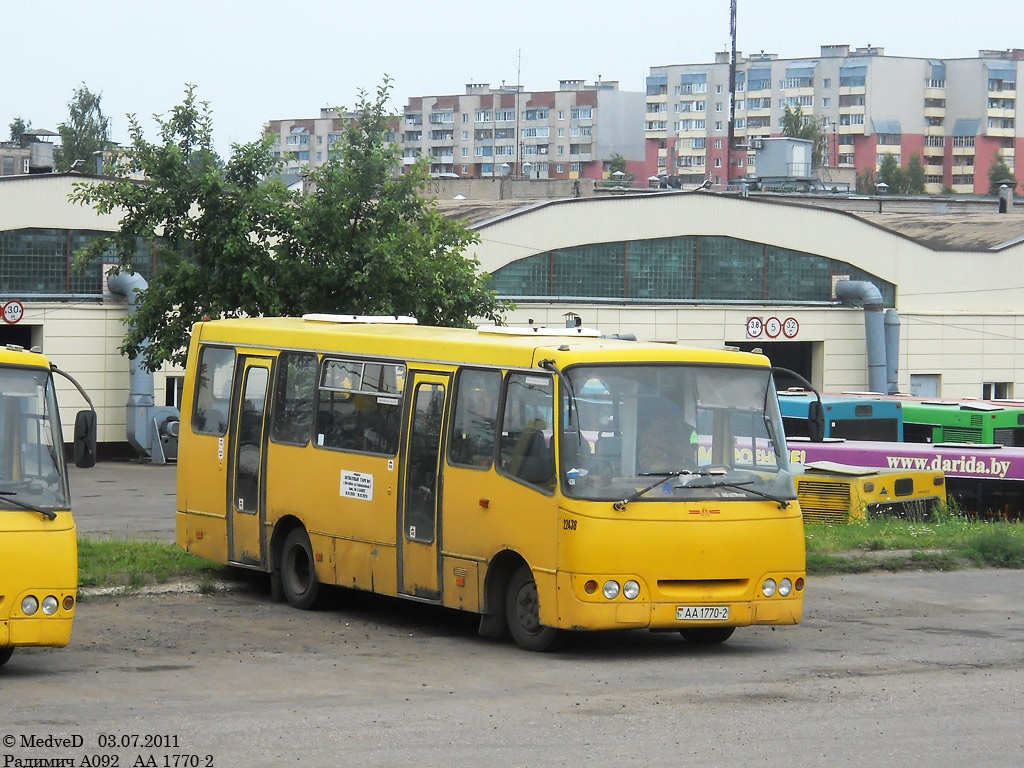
(707, 635)
(522, 611)
(298, 574)
(5, 654)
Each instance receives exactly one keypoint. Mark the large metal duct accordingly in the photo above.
(151, 430)
(867, 295)
(892, 350)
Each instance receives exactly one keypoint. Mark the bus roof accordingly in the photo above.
(12, 354)
(480, 346)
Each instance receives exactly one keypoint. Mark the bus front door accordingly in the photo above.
(420, 532)
(246, 514)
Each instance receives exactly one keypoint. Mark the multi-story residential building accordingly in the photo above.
(306, 143)
(956, 115)
(496, 132)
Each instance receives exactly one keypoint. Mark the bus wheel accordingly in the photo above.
(5, 654)
(522, 611)
(298, 575)
(707, 635)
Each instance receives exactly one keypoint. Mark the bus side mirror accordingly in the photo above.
(85, 439)
(815, 421)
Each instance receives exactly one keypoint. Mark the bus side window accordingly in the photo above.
(476, 416)
(213, 390)
(293, 403)
(526, 446)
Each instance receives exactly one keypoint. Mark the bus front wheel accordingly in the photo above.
(707, 635)
(5, 654)
(298, 574)
(522, 611)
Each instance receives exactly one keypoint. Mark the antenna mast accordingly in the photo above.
(731, 140)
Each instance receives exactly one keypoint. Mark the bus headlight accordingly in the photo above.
(769, 588)
(610, 589)
(631, 590)
(50, 605)
(785, 587)
(29, 605)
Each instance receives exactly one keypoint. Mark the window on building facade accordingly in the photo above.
(686, 268)
(581, 113)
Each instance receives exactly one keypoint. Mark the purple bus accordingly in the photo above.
(986, 480)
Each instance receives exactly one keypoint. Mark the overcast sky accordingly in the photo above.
(255, 60)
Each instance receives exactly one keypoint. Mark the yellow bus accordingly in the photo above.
(38, 548)
(546, 479)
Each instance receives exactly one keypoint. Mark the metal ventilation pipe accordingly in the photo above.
(151, 430)
(892, 350)
(867, 295)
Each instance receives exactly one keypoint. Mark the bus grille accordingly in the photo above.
(824, 502)
(961, 435)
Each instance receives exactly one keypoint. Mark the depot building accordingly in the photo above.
(917, 296)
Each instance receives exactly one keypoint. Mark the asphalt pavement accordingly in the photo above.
(125, 500)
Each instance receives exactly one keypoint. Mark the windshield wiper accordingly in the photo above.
(663, 477)
(49, 513)
(783, 503)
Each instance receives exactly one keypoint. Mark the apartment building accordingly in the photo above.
(956, 115)
(500, 132)
(306, 143)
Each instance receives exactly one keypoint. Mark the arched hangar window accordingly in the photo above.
(686, 268)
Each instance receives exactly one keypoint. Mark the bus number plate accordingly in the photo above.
(702, 613)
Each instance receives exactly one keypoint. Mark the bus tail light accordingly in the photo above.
(69, 602)
(590, 587)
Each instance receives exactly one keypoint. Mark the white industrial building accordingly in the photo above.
(690, 267)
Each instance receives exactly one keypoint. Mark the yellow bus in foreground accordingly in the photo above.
(547, 480)
(38, 548)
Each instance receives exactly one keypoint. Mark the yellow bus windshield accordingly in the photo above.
(32, 470)
(711, 432)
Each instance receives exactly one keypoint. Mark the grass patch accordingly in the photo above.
(949, 542)
(133, 564)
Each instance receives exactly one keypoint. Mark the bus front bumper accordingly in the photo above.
(596, 613)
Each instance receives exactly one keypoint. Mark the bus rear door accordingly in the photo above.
(246, 513)
(419, 536)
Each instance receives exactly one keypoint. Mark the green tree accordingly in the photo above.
(998, 174)
(890, 173)
(914, 176)
(19, 132)
(233, 241)
(796, 125)
(86, 132)
(617, 164)
(217, 225)
(865, 184)
(369, 242)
